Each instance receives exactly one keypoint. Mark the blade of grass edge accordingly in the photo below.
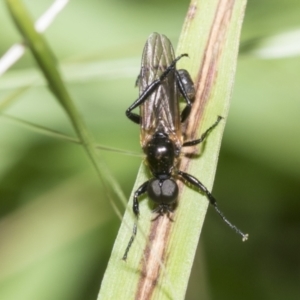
(211, 38)
(206, 22)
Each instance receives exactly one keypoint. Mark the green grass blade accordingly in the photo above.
(7, 101)
(48, 65)
(160, 269)
(59, 135)
(41, 129)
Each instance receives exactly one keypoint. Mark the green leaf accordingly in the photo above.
(159, 262)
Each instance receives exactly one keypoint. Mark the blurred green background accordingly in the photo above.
(57, 226)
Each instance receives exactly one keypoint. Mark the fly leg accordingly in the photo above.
(196, 183)
(203, 136)
(149, 90)
(141, 190)
(187, 90)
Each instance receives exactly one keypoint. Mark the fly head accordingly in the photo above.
(163, 192)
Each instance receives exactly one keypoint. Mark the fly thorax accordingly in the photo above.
(160, 152)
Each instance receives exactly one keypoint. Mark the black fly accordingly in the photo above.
(160, 87)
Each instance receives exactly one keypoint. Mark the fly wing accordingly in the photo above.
(160, 112)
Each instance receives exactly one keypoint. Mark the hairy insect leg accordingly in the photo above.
(187, 90)
(134, 231)
(188, 83)
(149, 89)
(203, 136)
(141, 190)
(171, 66)
(195, 182)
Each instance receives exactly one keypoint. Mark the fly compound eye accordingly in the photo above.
(163, 191)
(169, 190)
(154, 190)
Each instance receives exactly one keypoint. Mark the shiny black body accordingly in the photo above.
(161, 86)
